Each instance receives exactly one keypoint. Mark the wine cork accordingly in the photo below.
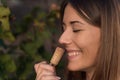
(56, 56)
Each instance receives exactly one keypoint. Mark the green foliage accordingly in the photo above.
(5, 26)
(4, 2)
(7, 65)
(24, 44)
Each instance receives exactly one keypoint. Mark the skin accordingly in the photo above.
(81, 41)
(45, 71)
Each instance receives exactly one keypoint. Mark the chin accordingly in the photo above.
(73, 68)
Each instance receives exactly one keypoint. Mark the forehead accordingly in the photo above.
(70, 14)
(70, 11)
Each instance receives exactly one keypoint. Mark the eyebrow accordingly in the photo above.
(73, 22)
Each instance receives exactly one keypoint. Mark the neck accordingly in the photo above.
(89, 74)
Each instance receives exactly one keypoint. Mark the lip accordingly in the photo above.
(73, 50)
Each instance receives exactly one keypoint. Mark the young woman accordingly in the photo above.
(91, 38)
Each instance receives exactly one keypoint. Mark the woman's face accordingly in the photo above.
(81, 41)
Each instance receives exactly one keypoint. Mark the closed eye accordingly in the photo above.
(76, 30)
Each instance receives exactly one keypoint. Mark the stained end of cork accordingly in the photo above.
(57, 56)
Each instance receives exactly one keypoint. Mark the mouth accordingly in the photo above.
(73, 54)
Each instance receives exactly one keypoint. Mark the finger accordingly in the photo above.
(47, 77)
(44, 66)
(47, 67)
(36, 66)
(44, 72)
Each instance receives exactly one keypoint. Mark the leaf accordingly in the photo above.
(8, 63)
(4, 2)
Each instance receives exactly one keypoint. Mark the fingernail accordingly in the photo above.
(44, 62)
(58, 78)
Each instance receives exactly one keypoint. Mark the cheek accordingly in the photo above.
(87, 39)
(89, 44)
(82, 40)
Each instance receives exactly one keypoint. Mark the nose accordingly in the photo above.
(65, 38)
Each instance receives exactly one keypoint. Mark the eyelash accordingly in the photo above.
(75, 31)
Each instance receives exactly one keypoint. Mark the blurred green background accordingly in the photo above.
(29, 33)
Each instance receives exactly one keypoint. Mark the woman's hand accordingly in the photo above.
(45, 71)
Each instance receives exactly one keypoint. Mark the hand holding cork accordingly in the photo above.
(45, 71)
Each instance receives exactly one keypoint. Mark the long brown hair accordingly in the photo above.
(106, 15)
